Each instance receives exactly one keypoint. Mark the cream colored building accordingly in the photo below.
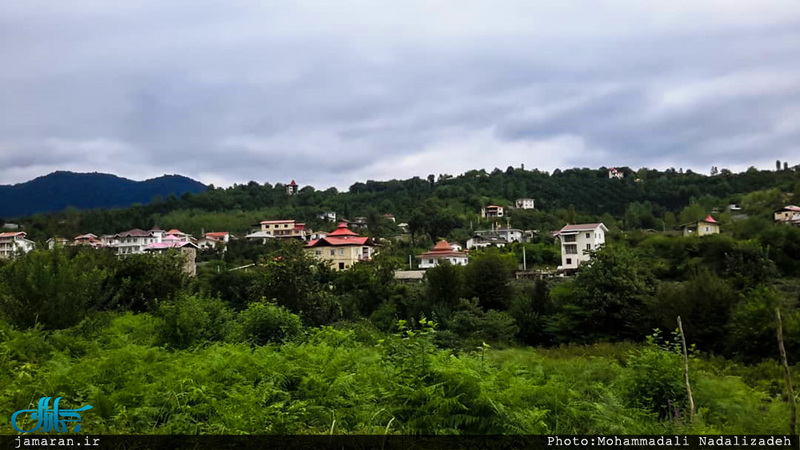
(342, 248)
(701, 227)
(578, 242)
(284, 229)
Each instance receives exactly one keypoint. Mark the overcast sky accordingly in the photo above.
(334, 92)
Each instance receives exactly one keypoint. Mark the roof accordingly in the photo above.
(409, 274)
(342, 230)
(493, 206)
(709, 219)
(292, 183)
(442, 250)
(259, 235)
(168, 245)
(175, 231)
(580, 227)
(86, 236)
(340, 241)
(13, 233)
(264, 222)
(217, 234)
(790, 208)
(136, 232)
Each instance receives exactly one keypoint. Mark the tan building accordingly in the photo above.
(701, 227)
(284, 229)
(342, 248)
(788, 214)
(492, 211)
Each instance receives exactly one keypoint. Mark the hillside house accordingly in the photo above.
(342, 247)
(54, 242)
(13, 241)
(524, 203)
(577, 243)
(615, 173)
(88, 239)
(442, 251)
(492, 211)
(329, 216)
(486, 239)
(701, 227)
(291, 188)
(133, 241)
(789, 215)
(213, 239)
(186, 248)
(284, 229)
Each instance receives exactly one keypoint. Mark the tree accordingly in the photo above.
(444, 286)
(778, 165)
(141, 281)
(487, 278)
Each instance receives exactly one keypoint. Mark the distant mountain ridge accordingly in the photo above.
(59, 190)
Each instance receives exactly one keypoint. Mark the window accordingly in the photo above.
(333, 252)
(569, 261)
(571, 249)
(430, 261)
(588, 246)
(341, 252)
(319, 252)
(588, 235)
(569, 238)
(707, 229)
(341, 266)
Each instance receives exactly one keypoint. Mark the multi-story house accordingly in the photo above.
(701, 227)
(88, 239)
(186, 248)
(291, 188)
(213, 239)
(577, 243)
(615, 173)
(485, 239)
(54, 242)
(789, 214)
(133, 241)
(492, 211)
(284, 229)
(14, 241)
(524, 203)
(442, 251)
(342, 247)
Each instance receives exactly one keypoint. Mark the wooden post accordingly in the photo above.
(686, 371)
(788, 374)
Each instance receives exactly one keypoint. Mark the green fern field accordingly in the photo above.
(355, 380)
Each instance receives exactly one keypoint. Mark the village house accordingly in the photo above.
(283, 229)
(486, 239)
(291, 188)
(577, 243)
(329, 216)
(133, 241)
(492, 211)
(88, 239)
(10, 226)
(13, 241)
(342, 247)
(615, 173)
(701, 227)
(390, 218)
(54, 242)
(789, 215)
(186, 248)
(524, 203)
(442, 251)
(213, 239)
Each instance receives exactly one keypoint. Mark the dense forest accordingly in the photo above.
(288, 345)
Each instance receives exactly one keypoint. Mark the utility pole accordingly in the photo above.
(524, 260)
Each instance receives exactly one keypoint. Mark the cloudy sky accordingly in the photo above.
(333, 92)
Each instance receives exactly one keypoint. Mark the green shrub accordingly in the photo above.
(263, 323)
(190, 320)
(655, 379)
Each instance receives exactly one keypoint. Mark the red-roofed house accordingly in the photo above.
(213, 239)
(14, 241)
(291, 188)
(788, 214)
(342, 247)
(442, 251)
(577, 243)
(701, 227)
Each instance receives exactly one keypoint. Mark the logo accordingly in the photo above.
(50, 419)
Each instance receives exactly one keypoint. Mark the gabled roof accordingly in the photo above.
(86, 236)
(259, 235)
(789, 208)
(217, 234)
(13, 233)
(266, 222)
(568, 229)
(168, 245)
(136, 232)
(442, 250)
(709, 219)
(292, 183)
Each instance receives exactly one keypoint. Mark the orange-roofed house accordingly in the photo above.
(442, 251)
(13, 242)
(701, 227)
(342, 247)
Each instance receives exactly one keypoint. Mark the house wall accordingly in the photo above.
(342, 257)
(584, 242)
(428, 263)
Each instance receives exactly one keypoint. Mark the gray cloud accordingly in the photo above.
(330, 93)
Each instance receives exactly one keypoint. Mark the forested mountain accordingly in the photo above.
(444, 205)
(59, 190)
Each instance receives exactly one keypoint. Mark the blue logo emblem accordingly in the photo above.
(50, 419)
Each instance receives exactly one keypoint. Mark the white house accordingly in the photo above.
(486, 239)
(329, 216)
(577, 241)
(133, 241)
(213, 239)
(615, 173)
(492, 211)
(14, 241)
(524, 203)
(442, 251)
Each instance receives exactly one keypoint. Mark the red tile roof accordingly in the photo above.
(292, 183)
(136, 232)
(12, 234)
(217, 234)
(709, 219)
(442, 250)
(342, 230)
